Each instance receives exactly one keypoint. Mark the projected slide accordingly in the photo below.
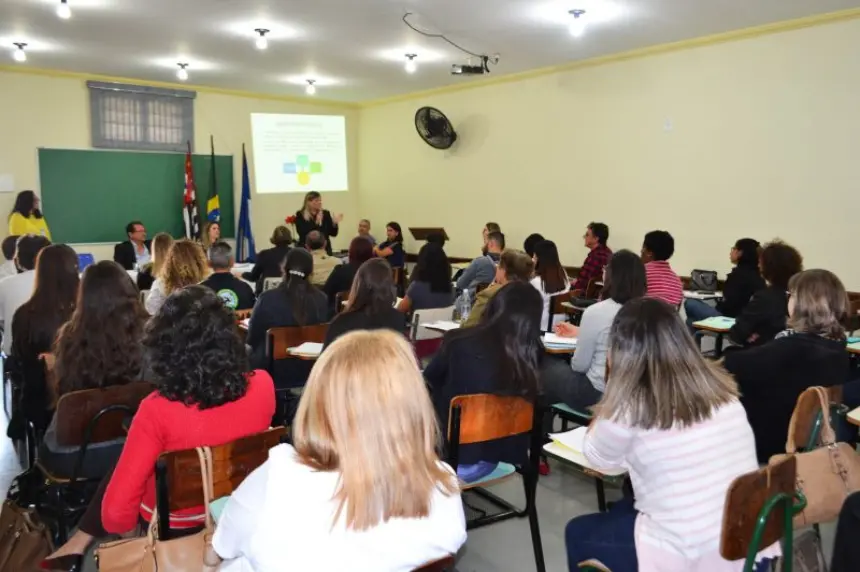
(299, 153)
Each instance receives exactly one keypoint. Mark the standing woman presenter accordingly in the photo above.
(313, 217)
(26, 218)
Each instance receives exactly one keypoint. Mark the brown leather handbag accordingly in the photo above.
(826, 475)
(192, 553)
(24, 540)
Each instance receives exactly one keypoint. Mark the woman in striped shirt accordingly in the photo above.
(674, 422)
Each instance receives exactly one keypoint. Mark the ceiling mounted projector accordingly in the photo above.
(459, 69)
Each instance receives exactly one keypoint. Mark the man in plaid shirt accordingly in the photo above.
(595, 237)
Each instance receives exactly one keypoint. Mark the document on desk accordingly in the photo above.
(573, 439)
(442, 325)
(309, 349)
(554, 340)
(717, 322)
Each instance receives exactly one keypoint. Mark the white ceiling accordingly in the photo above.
(345, 43)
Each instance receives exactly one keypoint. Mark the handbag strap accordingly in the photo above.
(827, 434)
(204, 455)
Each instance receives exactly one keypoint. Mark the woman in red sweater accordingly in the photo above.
(205, 397)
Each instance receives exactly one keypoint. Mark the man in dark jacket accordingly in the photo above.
(136, 251)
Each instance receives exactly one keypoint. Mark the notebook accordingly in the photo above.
(718, 322)
(555, 340)
(307, 349)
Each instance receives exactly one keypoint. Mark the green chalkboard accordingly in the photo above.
(89, 196)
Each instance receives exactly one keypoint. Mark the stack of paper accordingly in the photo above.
(442, 325)
(717, 323)
(307, 349)
(573, 439)
(554, 341)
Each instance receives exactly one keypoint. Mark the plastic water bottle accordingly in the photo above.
(464, 306)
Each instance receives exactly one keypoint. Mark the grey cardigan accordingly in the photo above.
(593, 342)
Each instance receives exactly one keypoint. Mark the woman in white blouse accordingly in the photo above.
(359, 490)
(550, 279)
(674, 422)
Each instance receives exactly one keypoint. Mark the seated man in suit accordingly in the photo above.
(136, 251)
(324, 262)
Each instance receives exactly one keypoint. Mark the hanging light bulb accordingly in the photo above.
(19, 55)
(182, 72)
(262, 41)
(311, 89)
(63, 10)
(577, 23)
(411, 66)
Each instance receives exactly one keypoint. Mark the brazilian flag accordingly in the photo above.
(213, 205)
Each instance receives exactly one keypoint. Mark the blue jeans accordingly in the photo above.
(604, 536)
(698, 310)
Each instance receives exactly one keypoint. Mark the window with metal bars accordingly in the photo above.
(141, 117)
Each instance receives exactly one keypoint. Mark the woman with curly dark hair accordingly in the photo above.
(205, 396)
(765, 315)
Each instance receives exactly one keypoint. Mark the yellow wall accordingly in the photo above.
(47, 111)
(757, 138)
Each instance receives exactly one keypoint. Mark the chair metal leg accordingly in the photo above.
(530, 483)
(601, 495)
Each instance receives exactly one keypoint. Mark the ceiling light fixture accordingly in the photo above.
(262, 41)
(311, 89)
(19, 55)
(182, 72)
(63, 10)
(577, 23)
(411, 66)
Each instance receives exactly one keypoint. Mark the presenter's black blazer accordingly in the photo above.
(123, 253)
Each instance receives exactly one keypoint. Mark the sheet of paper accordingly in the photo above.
(7, 183)
(556, 340)
(573, 439)
(443, 325)
(307, 349)
(716, 322)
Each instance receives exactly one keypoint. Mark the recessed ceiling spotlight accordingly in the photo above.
(411, 66)
(19, 55)
(63, 10)
(311, 89)
(262, 41)
(182, 72)
(577, 23)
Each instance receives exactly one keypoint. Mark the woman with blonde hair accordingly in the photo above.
(674, 422)
(312, 216)
(161, 244)
(371, 490)
(185, 265)
(211, 233)
(811, 352)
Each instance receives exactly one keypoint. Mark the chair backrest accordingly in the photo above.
(397, 275)
(77, 409)
(594, 289)
(745, 499)
(279, 340)
(425, 317)
(177, 473)
(487, 417)
(441, 565)
(557, 299)
(272, 283)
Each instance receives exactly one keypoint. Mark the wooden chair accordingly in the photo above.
(479, 418)
(85, 418)
(279, 340)
(442, 565)
(556, 307)
(759, 510)
(178, 483)
(243, 314)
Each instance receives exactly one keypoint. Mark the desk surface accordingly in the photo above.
(854, 416)
(720, 324)
(568, 455)
(854, 348)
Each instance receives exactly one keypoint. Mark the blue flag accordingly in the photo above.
(245, 251)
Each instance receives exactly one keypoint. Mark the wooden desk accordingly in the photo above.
(854, 417)
(853, 348)
(719, 326)
(444, 327)
(578, 461)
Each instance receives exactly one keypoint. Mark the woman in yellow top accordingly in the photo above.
(26, 218)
